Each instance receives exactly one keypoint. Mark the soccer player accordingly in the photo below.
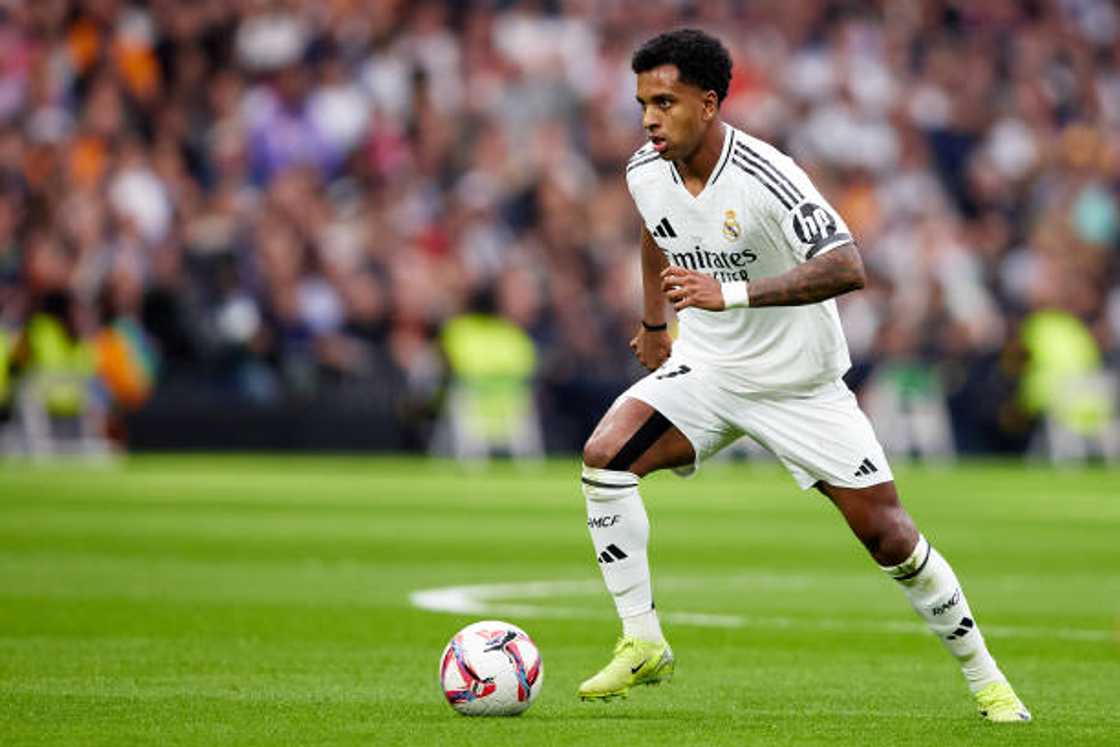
(750, 256)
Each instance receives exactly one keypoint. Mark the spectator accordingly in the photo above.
(303, 194)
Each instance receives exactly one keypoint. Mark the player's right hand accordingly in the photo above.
(652, 348)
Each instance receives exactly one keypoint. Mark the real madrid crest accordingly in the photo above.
(731, 228)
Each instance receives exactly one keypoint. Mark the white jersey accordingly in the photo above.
(758, 216)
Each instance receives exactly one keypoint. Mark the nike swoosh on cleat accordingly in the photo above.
(634, 670)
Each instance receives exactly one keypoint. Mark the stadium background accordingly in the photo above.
(270, 212)
(243, 225)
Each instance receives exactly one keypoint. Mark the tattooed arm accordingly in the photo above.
(825, 276)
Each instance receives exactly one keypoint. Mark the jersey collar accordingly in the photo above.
(724, 157)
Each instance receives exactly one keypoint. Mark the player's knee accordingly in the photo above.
(891, 537)
(598, 452)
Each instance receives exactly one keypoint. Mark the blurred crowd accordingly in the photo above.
(268, 200)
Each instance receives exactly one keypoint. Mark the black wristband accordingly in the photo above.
(655, 327)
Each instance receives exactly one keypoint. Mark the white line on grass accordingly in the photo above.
(483, 600)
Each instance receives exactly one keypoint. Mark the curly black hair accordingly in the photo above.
(701, 58)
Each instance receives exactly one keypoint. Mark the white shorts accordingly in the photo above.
(819, 435)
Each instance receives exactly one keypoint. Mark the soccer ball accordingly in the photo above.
(491, 668)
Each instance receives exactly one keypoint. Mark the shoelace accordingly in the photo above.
(623, 644)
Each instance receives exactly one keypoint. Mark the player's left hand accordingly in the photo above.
(685, 288)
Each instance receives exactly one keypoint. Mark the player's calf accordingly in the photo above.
(930, 584)
(631, 440)
(619, 527)
(877, 519)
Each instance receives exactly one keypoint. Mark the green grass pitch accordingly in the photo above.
(259, 600)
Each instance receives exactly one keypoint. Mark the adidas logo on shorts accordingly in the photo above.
(866, 468)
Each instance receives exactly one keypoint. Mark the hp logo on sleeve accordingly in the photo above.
(812, 223)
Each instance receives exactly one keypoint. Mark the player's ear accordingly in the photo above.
(711, 105)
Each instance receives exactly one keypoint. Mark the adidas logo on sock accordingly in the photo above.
(664, 230)
(866, 468)
(611, 554)
(965, 625)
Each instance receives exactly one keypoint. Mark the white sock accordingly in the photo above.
(644, 626)
(936, 595)
(619, 530)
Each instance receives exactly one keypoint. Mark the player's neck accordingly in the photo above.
(696, 169)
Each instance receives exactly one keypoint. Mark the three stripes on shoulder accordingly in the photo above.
(767, 174)
(641, 158)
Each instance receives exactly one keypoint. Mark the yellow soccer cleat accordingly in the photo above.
(635, 662)
(998, 702)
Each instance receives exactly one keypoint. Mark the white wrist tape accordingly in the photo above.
(735, 295)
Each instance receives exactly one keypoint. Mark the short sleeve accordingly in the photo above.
(813, 227)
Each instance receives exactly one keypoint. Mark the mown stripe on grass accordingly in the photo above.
(481, 600)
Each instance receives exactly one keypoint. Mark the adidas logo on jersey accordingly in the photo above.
(866, 468)
(664, 230)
